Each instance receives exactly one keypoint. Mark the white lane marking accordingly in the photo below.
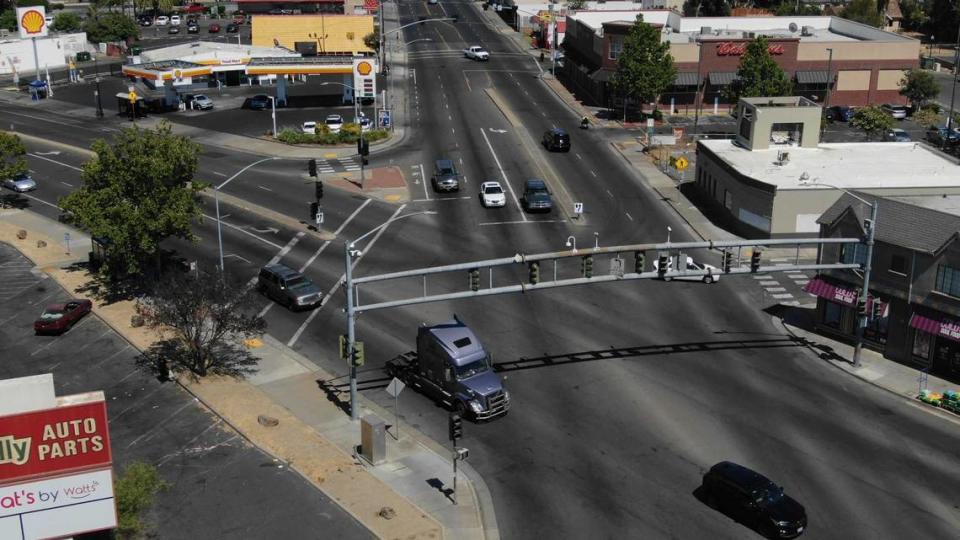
(243, 170)
(610, 194)
(594, 174)
(40, 201)
(264, 188)
(578, 156)
(522, 222)
(769, 283)
(453, 131)
(244, 259)
(802, 281)
(423, 176)
(782, 296)
(343, 277)
(629, 216)
(504, 175)
(776, 289)
(244, 231)
(67, 165)
(218, 173)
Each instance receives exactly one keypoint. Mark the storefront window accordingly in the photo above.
(921, 346)
(832, 315)
(948, 355)
(876, 330)
(948, 280)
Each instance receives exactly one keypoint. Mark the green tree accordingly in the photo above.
(372, 40)
(66, 21)
(794, 8)
(706, 8)
(8, 20)
(12, 151)
(919, 86)
(872, 120)
(758, 74)
(943, 18)
(928, 118)
(914, 18)
(864, 11)
(136, 192)
(206, 320)
(134, 490)
(644, 68)
(108, 27)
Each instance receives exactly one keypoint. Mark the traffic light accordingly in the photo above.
(455, 427)
(356, 355)
(755, 260)
(363, 147)
(662, 263)
(727, 261)
(318, 189)
(586, 266)
(475, 279)
(314, 211)
(862, 308)
(638, 262)
(344, 347)
(534, 272)
(312, 167)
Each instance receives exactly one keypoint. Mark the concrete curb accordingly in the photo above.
(272, 215)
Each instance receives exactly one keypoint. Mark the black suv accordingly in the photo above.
(752, 499)
(556, 139)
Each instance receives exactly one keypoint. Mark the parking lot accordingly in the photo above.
(220, 486)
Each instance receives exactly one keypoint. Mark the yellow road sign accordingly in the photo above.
(681, 163)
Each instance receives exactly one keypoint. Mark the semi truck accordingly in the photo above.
(451, 366)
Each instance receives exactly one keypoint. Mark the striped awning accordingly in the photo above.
(686, 78)
(813, 77)
(946, 328)
(830, 292)
(722, 78)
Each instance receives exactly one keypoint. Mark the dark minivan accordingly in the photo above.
(288, 287)
(556, 139)
(752, 499)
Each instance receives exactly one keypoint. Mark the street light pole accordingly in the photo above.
(216, 199)
(273, 113)
(97, 94)
(349, 247)
(697, 101)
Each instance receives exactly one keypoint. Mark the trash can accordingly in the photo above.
(83, 56)
(135, 50)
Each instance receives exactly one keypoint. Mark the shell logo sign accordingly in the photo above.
(364, 68)
(32, 21)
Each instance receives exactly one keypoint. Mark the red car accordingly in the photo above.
(58, 318)
(213, 28)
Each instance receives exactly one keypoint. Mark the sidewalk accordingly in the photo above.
(404, 497)
(875, 369)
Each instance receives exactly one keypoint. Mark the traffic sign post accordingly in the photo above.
(384, 118)
(66, 240)
(577, 209)
(681, 163)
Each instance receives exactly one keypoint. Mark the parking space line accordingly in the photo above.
(67, 165)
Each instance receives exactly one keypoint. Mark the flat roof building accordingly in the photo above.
(862, 64)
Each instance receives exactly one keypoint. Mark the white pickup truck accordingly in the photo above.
(476, 52)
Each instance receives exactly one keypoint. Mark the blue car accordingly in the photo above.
(259, 102)
(840, 113)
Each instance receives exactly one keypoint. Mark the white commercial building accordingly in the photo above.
(16, 55)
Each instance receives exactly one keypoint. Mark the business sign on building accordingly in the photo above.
(56, 476)
(365, 77)
(32, 21)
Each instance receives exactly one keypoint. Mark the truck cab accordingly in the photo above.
(453, 365)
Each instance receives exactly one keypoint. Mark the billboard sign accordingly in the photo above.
(58, 507)
(32, 21)
(56, 441)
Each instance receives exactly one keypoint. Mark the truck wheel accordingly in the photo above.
(461, 409)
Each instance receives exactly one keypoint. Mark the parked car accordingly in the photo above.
(258, 102)
(175, 20)
(445, 176)
(58, 318)
(173, 30)
(692, 266)
(363, 121)
(232, 28)
(162, 20)
(201, 102)
(193, 29)
(841, 113)
(20, 183)
(239, 18)
(288, 287)
(145, 21)
(334, 122)
(309, 127)
(897, 135)
(214, 28)
(536, 196)
(492, 195)
(941, 136)
(556, 139)
(898, 112)
(752, 499)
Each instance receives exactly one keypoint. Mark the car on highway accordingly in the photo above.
(556, 139)
(309, 127)
(897, 135)
(692, 266)
(173, 30)
(239, 18)
(433, 2)
(492, 195)
(258, 102)
(201, 102)
(232, 28)
(445, 176)
(162, 20)
(288, 287)
(536, 196)
(334, 122)
(753, 500)
(20, 183)
(60, 317)
(898, 112)
(175, 20)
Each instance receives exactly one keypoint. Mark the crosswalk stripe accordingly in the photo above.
(776, 289)
(768, 283)
(779, 296)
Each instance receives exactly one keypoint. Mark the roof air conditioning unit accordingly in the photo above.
(705, 30)
(806, 31)
(782, 157)
(793, 27)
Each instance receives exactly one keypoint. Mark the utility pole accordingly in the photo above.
(867, 266)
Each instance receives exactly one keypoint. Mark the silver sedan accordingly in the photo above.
(20, 183)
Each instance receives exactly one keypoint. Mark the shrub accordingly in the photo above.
(134, 491)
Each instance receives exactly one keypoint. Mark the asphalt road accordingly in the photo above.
(219, 485)
(684, 374)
